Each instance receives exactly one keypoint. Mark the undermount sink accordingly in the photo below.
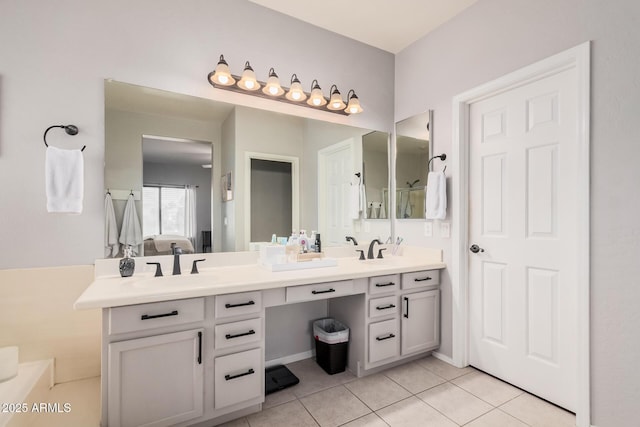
(178, 280)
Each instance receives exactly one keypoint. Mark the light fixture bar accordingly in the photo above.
(282, 98)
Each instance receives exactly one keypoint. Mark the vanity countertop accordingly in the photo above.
(113, 290)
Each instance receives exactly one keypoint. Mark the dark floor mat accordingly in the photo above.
(278, 377)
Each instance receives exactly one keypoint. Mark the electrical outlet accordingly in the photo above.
(445, 230)
(428, 229)
(367, 227)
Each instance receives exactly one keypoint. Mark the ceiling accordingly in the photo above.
(385, 24)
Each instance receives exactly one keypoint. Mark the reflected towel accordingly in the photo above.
(131, 232)
(64, 180)
(354, 201)
(363, 201)
(436, 194)
(111, 246)
(383, 211)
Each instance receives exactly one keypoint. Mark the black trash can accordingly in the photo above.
(332, 341)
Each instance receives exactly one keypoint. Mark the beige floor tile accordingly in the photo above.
(278, 398)
(487, 388)
(538, 413)
(287, 414)
(496, 418)
(84, 399)
(371, 420)
(443, 369)
(240, 422)
(414, 377)
(456, 403)
(377, 391)
(413, 412)
(314, 379)
(334, 407)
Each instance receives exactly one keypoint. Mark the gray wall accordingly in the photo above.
(57, 55)
(270, 200)
(495, 37)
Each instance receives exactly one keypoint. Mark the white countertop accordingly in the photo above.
(113, 290)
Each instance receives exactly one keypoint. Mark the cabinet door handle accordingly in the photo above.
(199, 348)
(233, 377)
(382, 285)
(423, 279)
(385, 338)
(155, 316)
(238, 305)
(385, 307)
(323, 292)
(407, 312)
(229, 336)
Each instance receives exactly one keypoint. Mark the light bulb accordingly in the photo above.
(295, 95)
(273, 90)
(223, 79)
(249, 84)
(316, 101)
(353, 110)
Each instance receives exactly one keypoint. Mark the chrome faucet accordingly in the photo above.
(370, 253)
(176, 251)
(352, 239)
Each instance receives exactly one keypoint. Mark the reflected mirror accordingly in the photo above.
(413, 148)
(151, 136)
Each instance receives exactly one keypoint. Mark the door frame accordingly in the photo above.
(579, 59)
(295, 189)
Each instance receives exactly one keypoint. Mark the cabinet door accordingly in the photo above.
(156, 381)
(420, 321)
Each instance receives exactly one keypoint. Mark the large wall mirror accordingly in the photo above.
(251, 172)
(413, 150)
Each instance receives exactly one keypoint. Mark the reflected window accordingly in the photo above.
(163, 211)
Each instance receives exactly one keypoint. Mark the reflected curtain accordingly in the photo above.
(190, 216)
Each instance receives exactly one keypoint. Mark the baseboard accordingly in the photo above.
(290, 359)
(444, 358)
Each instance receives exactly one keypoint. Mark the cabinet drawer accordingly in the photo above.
(319, 291)
(384, 284)
(420, 279)
(384, 340)
(155, 315)
(383, 306)
(238, 304)
(236, 333)
(238, 377)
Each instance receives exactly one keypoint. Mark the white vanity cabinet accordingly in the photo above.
(420, 322)
(154, 368)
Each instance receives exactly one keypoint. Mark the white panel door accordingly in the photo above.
(337, 164)
(522, 284)
(420, 321)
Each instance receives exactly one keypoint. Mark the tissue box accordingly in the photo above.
(273, 254)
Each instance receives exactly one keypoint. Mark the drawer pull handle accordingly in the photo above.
(155, 316)
(323, 292)
(382, 285)
(385, 307)
(229, 336)
(233, 377)
(199, 348)
(239, 305)
(422, 280)
(385, 338)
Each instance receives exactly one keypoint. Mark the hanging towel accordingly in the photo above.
(363, 201)
(111, 246)
(383, 211)
(436, 194)
(354, 201)
(131, 233)
(64, 180)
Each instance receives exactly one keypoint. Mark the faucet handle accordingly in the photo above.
(380, 252)
(158, 269)
(194, 266)
(361, 254)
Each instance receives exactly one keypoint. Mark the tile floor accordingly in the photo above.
(427, 392)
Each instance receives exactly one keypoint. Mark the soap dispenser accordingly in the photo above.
(127, 264)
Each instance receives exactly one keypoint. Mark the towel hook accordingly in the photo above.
(441, 157)
(358, 174)
(69, 129)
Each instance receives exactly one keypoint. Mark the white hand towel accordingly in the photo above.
(383, 210)
(111, 245)
(131, 233)
(64, 180)
(354, 201)
(363, 201)
(436, 196)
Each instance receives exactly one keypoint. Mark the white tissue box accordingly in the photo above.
(272, 254)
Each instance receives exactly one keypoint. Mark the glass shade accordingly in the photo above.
(273, 88)
(336, 102)
(248, 80)
(222, 75)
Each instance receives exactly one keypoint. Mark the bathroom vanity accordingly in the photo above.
(189, 349)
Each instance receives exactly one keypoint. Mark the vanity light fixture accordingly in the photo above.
(248, 80)
(296, 93)
(336, 102)
(316, 98)
(247, 83)
(273, 87)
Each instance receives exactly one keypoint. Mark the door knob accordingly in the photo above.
(475, 249)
